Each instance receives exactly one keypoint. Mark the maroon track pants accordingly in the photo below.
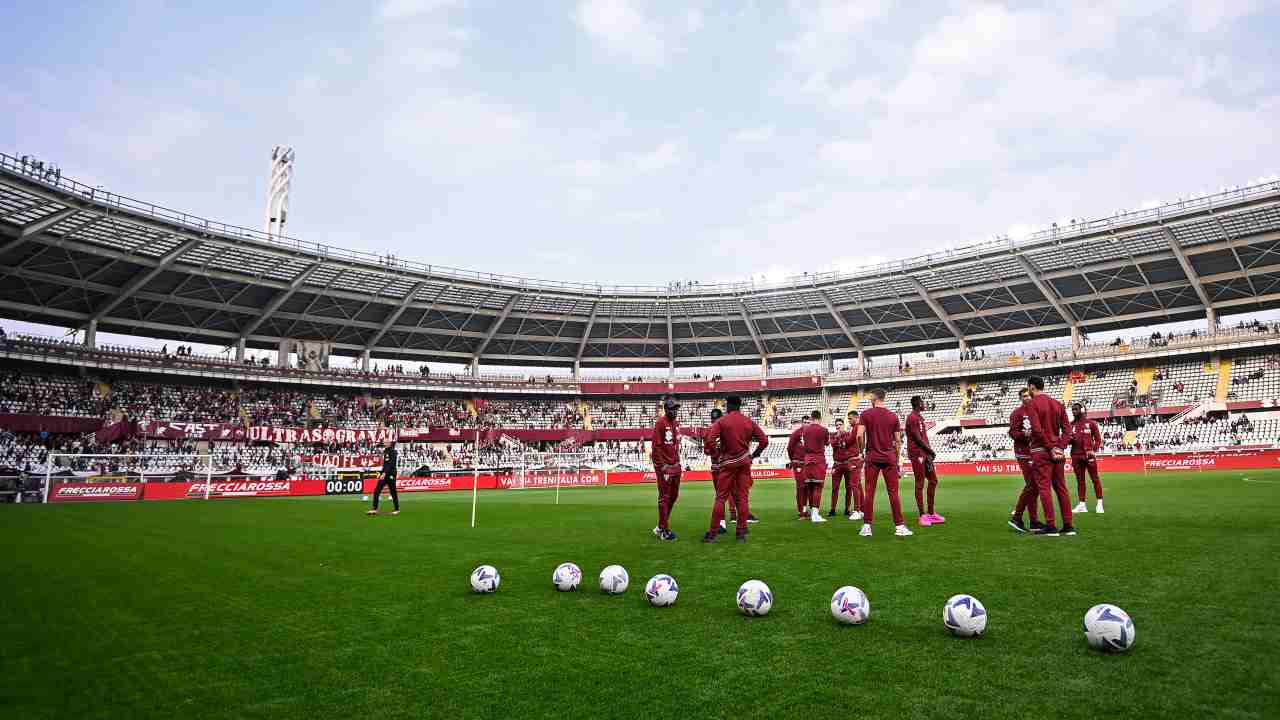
(921, 473)
(847, 472)
(891, 477)
(1029, 494)
(668, 492)
(733, 484)
(1051, 480)
(1081, 465)
(802, 493)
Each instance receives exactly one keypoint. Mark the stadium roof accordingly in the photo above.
(72, 255)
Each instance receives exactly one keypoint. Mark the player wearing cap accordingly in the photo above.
(666, 464)
(714, 455)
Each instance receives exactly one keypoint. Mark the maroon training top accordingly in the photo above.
(816, 439)
(882, 426)
(733, 434)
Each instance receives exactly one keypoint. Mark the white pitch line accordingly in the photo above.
(1269, 482)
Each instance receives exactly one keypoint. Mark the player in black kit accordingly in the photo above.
(390, 459)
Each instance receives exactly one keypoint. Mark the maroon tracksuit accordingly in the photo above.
(1051, 432)
(816, 440)
(666, 465)
(918, 451)
(881, 428)
(795, 456)
(1086, 439)
(844, 450)
(1021, 423)
(730, 438)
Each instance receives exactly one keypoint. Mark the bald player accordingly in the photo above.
(729, 438)
(883, 433)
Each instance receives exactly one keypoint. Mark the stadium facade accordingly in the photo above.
(80, 257)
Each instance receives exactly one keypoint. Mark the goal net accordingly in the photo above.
(75, 476)
(556, 470)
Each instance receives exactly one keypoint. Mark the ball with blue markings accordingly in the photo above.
(661, 591)
(614, 580)
(755, 598)
(1108, 628)
(964, 616)
(485, 579)
(849, 605)
(566, 577)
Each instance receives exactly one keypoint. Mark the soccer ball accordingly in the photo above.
(614, 580)
(566, 577)
(754, 598)
(850, 606)
(485, 579)
(964, 616)
(661, 590)
(1108, 628)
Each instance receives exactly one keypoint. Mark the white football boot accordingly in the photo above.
(1098, 508)
(855, 515)
(816, 516)
(1081, 507)
(903, 531)
(865, 531)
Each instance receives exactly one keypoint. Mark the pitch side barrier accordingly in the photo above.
(1250, 459)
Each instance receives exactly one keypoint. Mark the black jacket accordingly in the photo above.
(390, 456)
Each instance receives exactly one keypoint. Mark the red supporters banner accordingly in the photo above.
(259, 433)
(96, 492)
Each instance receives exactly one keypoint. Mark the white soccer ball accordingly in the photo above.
(485, 579)
(566, 577)
(614, 580)
(661, 590)
(850, 606)
(755, 598)
(1108, 628)
(964, 616)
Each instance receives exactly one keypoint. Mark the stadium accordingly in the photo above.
(195, 418)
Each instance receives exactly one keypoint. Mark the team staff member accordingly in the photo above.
(714, 455)
(390, 463)
(816, 438)
(883, 433)
(922, 456)
(729, 438)
(844, 448)
(1050, 437)
(1021, 423)
(1086, 440)
(795, 460)
(666, 464)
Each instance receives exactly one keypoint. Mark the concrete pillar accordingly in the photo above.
(577, 370)
(475, 367)
(364, 360)
(91, 334)
(964, 345)
(671, 368)
(1075, 339)
(282, 354)
(1211, 316)
(241, 346)
(862, 362)
(764, 366)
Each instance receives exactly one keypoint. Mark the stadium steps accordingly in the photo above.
(1145, 376)
(770, 404)
(585, 411)
(1224, 379)
(855, 399)
(1068, 391)
(470, 405)
(1130, 437)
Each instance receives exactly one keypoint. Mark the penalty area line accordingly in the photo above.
(1268, 482)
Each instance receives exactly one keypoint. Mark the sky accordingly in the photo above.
(635, 141)
(623, 141)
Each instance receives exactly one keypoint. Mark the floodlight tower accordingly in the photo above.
(278, 190)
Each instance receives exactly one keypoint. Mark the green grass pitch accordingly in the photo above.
(304, 608)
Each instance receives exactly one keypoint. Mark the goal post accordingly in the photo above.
(124, 468)
(548, 471)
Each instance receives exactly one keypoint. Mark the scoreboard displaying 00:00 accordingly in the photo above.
(352, 486)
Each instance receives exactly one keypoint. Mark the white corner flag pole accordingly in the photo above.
(475, 478)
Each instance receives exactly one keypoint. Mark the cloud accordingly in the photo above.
(397, 10)
(664, 157)
(693, 20)
(628, 166)
(462, 134)
(754, 135)
(622, 29)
